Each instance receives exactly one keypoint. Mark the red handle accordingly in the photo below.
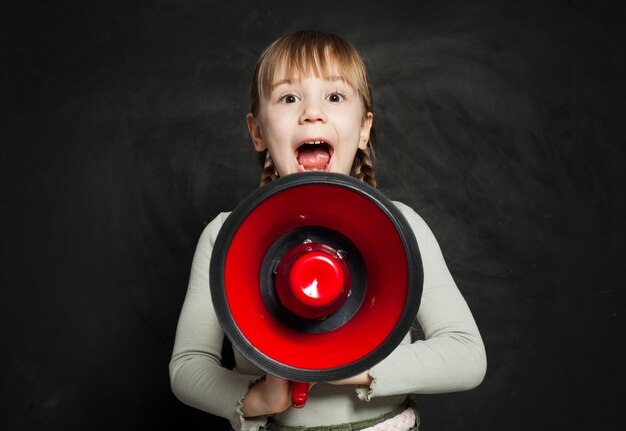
(299, 394)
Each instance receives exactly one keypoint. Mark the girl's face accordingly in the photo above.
(311, 123)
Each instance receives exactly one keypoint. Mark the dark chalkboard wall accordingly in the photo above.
(501, 123)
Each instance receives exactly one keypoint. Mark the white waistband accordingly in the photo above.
(402, 422)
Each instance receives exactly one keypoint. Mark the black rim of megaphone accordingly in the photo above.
(218, 291)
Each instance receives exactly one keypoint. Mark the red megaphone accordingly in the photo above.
(316, 277)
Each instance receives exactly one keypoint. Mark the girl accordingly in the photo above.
(312, 110)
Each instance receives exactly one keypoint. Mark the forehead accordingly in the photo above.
(330, 68)
(288, 72)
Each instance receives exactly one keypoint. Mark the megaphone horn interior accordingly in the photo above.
(316, 277)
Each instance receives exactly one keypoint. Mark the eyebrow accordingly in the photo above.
(331, 78)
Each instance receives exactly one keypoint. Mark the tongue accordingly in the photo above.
(313, 157)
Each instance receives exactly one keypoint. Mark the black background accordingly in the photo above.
(501, 123)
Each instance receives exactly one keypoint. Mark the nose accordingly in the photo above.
(312, 111)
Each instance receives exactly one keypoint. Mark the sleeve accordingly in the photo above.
(452, 356)
(196, 374)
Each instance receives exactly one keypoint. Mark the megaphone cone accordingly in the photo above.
(316, 277)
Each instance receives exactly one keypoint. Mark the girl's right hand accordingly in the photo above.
(268, 396)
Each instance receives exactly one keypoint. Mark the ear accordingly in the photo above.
(368, 121)
(254, 129)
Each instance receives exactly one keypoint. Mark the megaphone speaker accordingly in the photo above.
(316, 277)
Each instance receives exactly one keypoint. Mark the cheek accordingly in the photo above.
(275, 122)
(275, 135)
(355, 118)
(352, 126)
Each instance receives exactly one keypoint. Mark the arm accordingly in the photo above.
(452, 357)
(196, 374)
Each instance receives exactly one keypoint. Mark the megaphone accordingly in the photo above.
(315, 277)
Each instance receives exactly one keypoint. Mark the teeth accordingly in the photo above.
(314, 143)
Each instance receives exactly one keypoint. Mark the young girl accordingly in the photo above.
(312, 110)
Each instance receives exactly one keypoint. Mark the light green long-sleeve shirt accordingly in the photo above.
(450, 358)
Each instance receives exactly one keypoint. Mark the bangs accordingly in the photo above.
(303, 53)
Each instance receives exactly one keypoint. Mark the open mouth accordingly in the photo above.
(314, 155)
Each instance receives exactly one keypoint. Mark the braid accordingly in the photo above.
(363, 167)
(269, 172)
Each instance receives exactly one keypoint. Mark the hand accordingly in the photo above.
(267, 396)
(360, 379)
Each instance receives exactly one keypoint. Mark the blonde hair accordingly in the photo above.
(303, 52)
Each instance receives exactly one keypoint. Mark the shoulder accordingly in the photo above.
(211, 230)
(423, 233)
(404, 208)
(414, 219)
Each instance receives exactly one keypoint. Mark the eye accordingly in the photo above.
(336, 97)
(289, 98)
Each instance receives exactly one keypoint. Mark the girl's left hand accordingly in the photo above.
(267, 396)
(360, 379)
